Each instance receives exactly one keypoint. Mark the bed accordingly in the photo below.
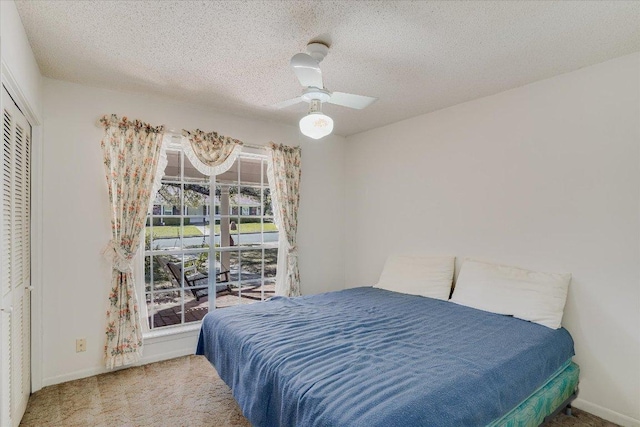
(372, 357)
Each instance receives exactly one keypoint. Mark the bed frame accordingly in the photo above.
(564, 407)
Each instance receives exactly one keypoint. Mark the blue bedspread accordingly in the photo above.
(370, 357)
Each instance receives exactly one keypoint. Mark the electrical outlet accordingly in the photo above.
(81, 345)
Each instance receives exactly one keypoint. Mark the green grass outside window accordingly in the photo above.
(169, 231)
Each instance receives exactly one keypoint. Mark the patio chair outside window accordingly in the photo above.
(193, 278)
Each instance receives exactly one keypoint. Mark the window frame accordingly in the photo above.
(147, 312)
(263, 246)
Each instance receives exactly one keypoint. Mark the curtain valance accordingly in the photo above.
(210, 153)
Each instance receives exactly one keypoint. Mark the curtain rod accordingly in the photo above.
(172, 132)
(257, 147)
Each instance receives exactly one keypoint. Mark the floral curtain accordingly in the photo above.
(210, 153)
(131, 152)
(283, 171)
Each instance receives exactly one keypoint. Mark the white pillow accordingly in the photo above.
(427, 276)
(528, 295)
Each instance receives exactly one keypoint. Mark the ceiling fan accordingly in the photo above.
(307, 68)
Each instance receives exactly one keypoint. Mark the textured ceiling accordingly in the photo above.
(416, 57)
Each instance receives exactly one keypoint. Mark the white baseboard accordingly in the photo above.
(76, 375)
(607, 414)
(166, 356)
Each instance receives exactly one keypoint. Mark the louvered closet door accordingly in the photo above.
(15, 255)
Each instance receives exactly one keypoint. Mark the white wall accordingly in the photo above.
(546, 176)
(18, 62)
(76, 220)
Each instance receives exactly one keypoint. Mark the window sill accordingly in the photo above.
(171, 333)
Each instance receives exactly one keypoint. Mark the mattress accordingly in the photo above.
(370, 357)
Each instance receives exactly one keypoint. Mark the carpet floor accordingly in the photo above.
(186, 391)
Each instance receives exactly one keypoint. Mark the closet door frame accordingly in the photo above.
(34, 117)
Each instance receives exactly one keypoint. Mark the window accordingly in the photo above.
(181, 244)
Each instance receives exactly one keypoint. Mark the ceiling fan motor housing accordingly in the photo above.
(311, 93)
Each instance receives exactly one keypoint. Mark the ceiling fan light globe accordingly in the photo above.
(316, 125)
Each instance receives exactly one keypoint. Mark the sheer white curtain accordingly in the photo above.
(131, 153)
(283, 171)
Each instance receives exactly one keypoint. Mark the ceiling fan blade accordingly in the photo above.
(350, 100)
(307, 70)
(287, 103)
